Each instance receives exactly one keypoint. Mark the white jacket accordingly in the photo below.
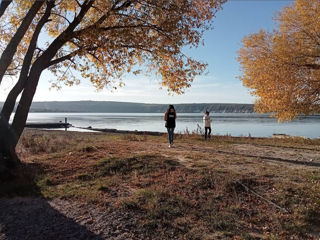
(206, 121)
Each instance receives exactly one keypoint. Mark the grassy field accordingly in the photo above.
(225, 188)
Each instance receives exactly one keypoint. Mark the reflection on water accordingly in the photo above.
(235, 124)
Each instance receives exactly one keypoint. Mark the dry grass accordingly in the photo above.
(198, 190)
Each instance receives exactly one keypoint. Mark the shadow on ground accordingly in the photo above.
(24, 214)
(34, 218)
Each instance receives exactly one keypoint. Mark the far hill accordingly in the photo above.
(129, 107)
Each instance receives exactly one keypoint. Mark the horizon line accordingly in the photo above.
(138, 102)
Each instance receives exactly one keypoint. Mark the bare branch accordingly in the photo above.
(124, 5)
(61, 17)
(78, 3)
(137, 47)
(69, 56)
(154, 27)
(104, 17)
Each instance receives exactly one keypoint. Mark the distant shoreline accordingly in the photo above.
(131, 107)
(164, 133)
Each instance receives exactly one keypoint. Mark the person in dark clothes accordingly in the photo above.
(207, 125)
(170, 118)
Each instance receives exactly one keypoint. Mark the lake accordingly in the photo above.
(234, 124)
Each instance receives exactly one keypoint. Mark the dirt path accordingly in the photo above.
(290, 156)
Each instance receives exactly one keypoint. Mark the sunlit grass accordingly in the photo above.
(177, 192)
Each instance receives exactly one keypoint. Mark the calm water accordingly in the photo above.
(235, 124)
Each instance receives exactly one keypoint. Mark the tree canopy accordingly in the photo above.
(104, 39)
(101, 40)
(283, 67)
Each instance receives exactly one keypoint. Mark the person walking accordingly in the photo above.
(170, 119)
(207, 125)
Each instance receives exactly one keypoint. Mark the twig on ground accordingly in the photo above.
(263, 198)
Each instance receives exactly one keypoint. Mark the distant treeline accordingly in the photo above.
(129, 107)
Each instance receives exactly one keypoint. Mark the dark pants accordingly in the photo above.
(207, 132)
(170, 135)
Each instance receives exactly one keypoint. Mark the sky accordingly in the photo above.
(220, 84)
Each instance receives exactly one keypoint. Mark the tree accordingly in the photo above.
(283, 67)
(101, 39)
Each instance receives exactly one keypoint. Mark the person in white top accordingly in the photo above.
(207, 125)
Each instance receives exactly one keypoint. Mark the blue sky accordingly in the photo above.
(220, 85)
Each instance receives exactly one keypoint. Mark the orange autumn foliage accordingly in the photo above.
(283, 67)
(115, 36)
(100, 40)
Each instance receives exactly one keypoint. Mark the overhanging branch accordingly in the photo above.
(69, 56)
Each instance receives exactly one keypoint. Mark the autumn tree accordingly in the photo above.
(101, 39)
(283, 67)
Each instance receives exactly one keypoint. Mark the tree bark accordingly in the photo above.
(9, 104)
(9, 136)
(38, 66)
(8, 156)
(23, 107)
(11, 48)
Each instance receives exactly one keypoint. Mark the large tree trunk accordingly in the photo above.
(8, 156)
(9, 104)
(11, 48)
(21, 115)
(9, 136)
(38, 66)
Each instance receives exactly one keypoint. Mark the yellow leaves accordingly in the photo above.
(149, 33)
(282, 68)
(163, 46)
(68, 5)
(177, 72)
(53, 33)
(22, 6)
(137, 6)
(25, 4)
(15, 21)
